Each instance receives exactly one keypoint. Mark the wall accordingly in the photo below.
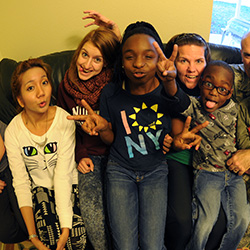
(31, 28)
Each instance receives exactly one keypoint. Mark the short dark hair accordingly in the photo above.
(222, 64)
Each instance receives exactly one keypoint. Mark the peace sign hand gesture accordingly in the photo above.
(187, 139)
(166, 69)
(94, 124)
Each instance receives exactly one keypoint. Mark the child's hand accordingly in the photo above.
(2, 185)
(85, 165)
(187, 139)
(166, 67)
(93, 123)
(101, 21)
(167, 142)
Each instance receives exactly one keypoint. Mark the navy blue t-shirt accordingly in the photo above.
(140, 123)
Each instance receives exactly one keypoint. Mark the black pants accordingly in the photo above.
(12, 226)
(179, 213)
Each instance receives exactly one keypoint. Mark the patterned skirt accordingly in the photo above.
(47, 221)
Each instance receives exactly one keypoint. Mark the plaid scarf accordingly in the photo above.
(89, 90)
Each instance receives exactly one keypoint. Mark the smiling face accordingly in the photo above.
(90, 61)
(190, 64)
(222, 79)
(35, 92)
(139, 59)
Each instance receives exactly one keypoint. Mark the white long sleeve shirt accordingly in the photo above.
(46, 161)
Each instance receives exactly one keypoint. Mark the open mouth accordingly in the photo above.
(139, 74)
(86, 71)
(191, 77)
(210, 104)
(42, 104)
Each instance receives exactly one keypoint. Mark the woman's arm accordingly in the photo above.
(64, 175)
(103, 21)
(21, 181)
(27, 213)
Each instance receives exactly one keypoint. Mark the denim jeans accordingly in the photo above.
(137, 206)
(210, 190)
(91, 187)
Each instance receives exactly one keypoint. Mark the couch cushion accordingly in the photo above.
(225, 53)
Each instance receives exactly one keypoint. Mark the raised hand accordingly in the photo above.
(187, 139)
(101, 21)
(166, 67)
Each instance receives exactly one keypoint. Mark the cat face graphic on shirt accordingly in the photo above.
(40, 156)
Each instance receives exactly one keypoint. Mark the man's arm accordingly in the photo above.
(240, 161)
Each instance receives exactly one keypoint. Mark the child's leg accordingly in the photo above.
(153, 190)
(237, 209)
(207, 192)
(91, 203)
(122, 204)
(12, 229)
(218, 231)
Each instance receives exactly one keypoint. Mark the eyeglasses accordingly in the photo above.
(220, 90)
